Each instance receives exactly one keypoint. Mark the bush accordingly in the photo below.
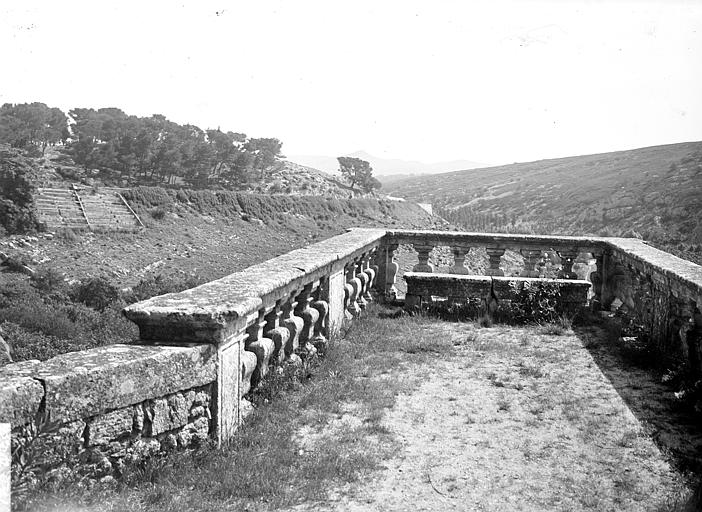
(48, 280)
(96, 293)
(158, 213)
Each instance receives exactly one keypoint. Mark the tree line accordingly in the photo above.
(137, 149)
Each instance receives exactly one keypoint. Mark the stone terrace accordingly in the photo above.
(202, 350)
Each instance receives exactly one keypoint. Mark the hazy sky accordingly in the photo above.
(494, 82)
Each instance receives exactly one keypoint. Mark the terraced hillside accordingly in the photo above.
(653, 192)
(77, 208)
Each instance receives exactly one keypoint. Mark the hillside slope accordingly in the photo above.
(655, 192)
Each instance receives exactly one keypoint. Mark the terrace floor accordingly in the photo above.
(413, 413)
(527, 419)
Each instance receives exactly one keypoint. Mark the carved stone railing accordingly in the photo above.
(275, 311)
(533, 248)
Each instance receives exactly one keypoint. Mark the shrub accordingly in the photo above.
(158, 213)
(48, 280)
(96, 293)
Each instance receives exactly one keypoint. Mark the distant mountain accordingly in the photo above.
(653, 192)
(385, 166)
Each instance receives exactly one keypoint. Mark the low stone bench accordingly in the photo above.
(491, 294)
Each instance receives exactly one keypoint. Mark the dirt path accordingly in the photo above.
(519, 420)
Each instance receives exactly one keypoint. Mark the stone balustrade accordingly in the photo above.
(662, 294)
(201, 351)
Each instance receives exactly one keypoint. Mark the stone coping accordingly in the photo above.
(208, 312)
(500, 240)
(81, 384)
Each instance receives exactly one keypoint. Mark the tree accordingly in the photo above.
(358, 172)
(266, 153)
(28, 125)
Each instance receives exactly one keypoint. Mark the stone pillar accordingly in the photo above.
(531, 259)
(423, 251)
(226, 408)
(276, 332)
(568, 257)
(333, 292)
(294, 325)
(459, 259)
(495, 257)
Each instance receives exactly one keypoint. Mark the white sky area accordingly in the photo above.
(494, 82)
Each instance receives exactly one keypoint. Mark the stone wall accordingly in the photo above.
(658, 294)
(112, 404)
(492, 295)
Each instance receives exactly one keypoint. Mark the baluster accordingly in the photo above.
(248, 365)
(308, 314)
(369, 271)
(321, 327)
(531, 258)
(354, 284)
(459, 259)
(567, 259)
(293, 324)
(363, 278)
(276, 332)
(423, 251)
(262, 347)
(495, 257)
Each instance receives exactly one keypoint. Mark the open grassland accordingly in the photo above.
(654, 192)
(409, 413)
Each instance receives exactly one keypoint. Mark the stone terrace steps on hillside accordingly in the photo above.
(84, 209)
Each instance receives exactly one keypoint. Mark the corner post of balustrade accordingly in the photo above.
(226, 335)
(567, 257)
(387, 271)
(423, 250)
(276, 332)
(459, 259)
(531, 259)
(494, 259)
